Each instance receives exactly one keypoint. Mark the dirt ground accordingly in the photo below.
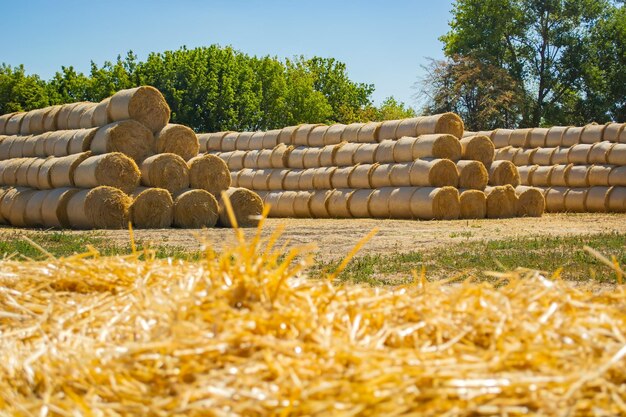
(335, 238)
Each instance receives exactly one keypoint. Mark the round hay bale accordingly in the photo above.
(538, 137)
(264, 158)
(9, 173)
(560, 156)
(152, 208)
(287, 134)
(195, 209)
(54, 209)
(559, 175)
(256, 141)
(243, 178)
(21, 174)
(28, 147)
(541, 176)
(165, 170)
(501, 202)
(64, 168)
(301, 136)
(408, 127)
(542, 156)
(378, 204)
(520, 138)
(51, 118)
(388, 130)
(144, 104)
(403, 149)
(64, 113)
(250, 159)
(473, 204)
(14, 124)
(34, 206)
(441, 172)
(318, 204)
(177, 139)
(597, 199)
(234, 159)
(575, 200)
(478, 148)
(381, 175)
(599, 175)
(270, 139)
(333, 134)
(301, 204)
(501, 138)
(503, 173)
(400, 203)
(366, 153)
(571, 136)
(316, 136)
(7, 196)
(328, 155)
(40, 144)
(247, 208)
(81, 141)
(526, 173)
(243, 141)
(617, 200)
(32, 176)
(617, 176)
(17, 148)
(384, 152)
(5, 148)
(599, 153)
(280, 156)
(128, 137)
(270, 199)
(359, 203)
(351, 132)
(578, 176)
(209, 142)
(285, 205)
(100, 208)
(17, 214)
(229, 142)
(312, 158)
(611, 132)
(341, 177)
(4, 119)
(322, 178)
(592, 133)
(472, 175)
(296, 157)
(37, 120)
(530, 202)
(554, 137)
(361, 176)
(75, 115)
(306, 179)
(261, 179)
(617, 155)
(440, 146)
(446, 123)
(579, 154)
(292, 179)
(210, 173)
(60, 146)
(436, 203)
(276, 179)
(369, 132)
(345, 154)
(100, 116)
(112, 169)
(555, 199)
(506, 154)
(339, 204)
(523, 157)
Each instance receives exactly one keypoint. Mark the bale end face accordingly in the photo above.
(210, 173)
(473, 204)
(501, 202)
(152, 208)
(144, 104)
(450, 123)
(195, 209)
(107, 208)
(177, 139)
(246, 205)
(530, 202)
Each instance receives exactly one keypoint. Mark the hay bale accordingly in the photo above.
(301, 204)
(554, 137)
(501, 138)
(32, 176)
(617, 155)
(530, 202)
(579, 154)
(33, 212)
(13, 126)
(285, 204)
(429, 203)
(9, 171)
(312, 158)
(442, 146)
(322, 178)
(599, 175)
(234, 159)
(599, 153)
(144, 104)
(306, 179)
(287, 135)
(526, 173)
(195, 209)
(520, 138)
(403, 149)
(229, 142)
(37, 120)
(578, 176)
(107, 207)
(316, 136)
(542, 156)
(256, 141)
(611, 133)
(341, 177)
(560, 156)
(214, 141)
(571, 136)
(81, 140)
(473, 204)
(431, 173)
(270, 139)
(280, 156)
(86, 118)
(559, 175)
(5, 148)
(345, 154)
(152, 208)
(538, 137)
(446, 123)
(506, 154)
(318, 204)
(361, 176)
(4, 119)
(523, 157)
(501, 202)
(270, 199)
(247, 207)
(17, 202)
(597, 199)
(541, 176)
(40, 144)
(17, 148)
(165, 170)
(301, 136)
(243, 178)
(261, 179)
(378, 204)
(359, 203)
(338, 203)
(100, 116)
(177, 139)
(296, 157)
(59, 145)
(112, 169)
(369, 132)
(575, 200)
(617, 176)
(76, 114)
(29, 145)
(292, 179)
(243, 141)
(21, 173)
(328, 154)
(477, 148)
(351, 132)
(63, 115)
(400, 203)
(384, 152)
(555, 199)
(617, 200)
(388, 130)
(276, 179)
(128, 137)
(366, 153)
(64, 168)
(333, 134)
(264, 158)
(503, 173)
(592, 133)
(55, 207)
(381, 175)
(7, 197)
(472, 175)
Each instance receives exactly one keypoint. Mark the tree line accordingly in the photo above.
(213, 88)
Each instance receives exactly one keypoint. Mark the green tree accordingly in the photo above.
(20, 92)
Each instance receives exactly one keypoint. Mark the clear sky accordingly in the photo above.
(382, 42)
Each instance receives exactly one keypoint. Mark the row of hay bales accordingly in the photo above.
(126, 164)
(579, 169)
(416, 168)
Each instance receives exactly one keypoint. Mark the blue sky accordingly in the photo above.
(382, 42)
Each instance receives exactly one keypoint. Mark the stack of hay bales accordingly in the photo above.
(578, 169)
(415, 168)
(101, 165)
